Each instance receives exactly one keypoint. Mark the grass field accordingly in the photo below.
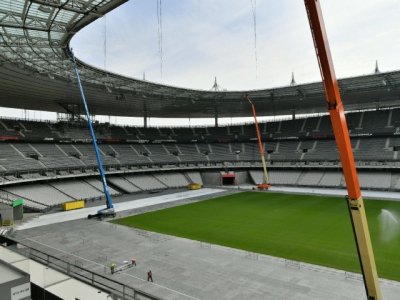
(311, 229)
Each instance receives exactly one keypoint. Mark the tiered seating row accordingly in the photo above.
(145, 182)
(124, 184)
(359, 122)
(195, 177)
(372, 149)
(172, 179)
(367, 179)
(77, 189)
(99, 185)
(40, 193)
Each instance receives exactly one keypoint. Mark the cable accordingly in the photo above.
(254, 10)
(105, 41)
(160, 35)
(161, 40)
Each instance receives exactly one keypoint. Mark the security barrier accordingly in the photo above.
(79, 272)
(194, 186)
(7, 222)
(73, 205)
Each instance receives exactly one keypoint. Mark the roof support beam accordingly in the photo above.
(58, 5)
(21, 41)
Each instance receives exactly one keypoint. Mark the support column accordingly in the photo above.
(293, 114)
(216, 114)
(144, 114)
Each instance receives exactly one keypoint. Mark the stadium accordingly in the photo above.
(194, 204)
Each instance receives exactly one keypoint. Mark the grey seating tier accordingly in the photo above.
(123, 184)
(77, 189)
(145, 182)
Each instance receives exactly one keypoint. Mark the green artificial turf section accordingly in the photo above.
(311, 229)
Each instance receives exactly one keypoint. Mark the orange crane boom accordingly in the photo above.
(335, 107)
(265, 185)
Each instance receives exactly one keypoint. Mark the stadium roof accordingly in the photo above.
(36, 74)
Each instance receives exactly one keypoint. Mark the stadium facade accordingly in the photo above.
(57, 160)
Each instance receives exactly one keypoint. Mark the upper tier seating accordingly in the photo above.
(35, 156)
(14, 157)
(37, 129)
(159, 154)
(358, 122)
(191, 153)
(9, 151)
(185, 133)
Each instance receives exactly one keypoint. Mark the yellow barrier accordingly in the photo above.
(73, 205)
(194, 186)
(7, 222)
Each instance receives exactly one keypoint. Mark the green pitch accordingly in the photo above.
(311, 229)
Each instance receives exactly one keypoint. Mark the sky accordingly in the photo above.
(208, 38)
(204, 39)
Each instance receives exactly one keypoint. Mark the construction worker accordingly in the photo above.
(133, 262)
(112, 267)
(150, 276)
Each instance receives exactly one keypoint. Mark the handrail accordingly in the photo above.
(75, 271)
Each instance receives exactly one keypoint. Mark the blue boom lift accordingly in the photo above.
(109, 211)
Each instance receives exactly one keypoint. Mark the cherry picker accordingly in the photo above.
(265, 185)
(109, 210)
(354, 199)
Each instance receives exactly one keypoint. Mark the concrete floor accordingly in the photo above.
(120, 207)
(186, 269)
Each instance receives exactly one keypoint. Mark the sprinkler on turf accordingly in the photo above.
(389, 225)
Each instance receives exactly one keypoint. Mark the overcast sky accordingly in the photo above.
(207, 38)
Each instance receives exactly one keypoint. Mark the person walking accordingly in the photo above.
(112, 267)
(133, 262)
(150, 276)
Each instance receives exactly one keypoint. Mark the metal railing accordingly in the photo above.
(205, 125)
(77, 271)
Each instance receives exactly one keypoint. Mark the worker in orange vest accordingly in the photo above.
(133, 262)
